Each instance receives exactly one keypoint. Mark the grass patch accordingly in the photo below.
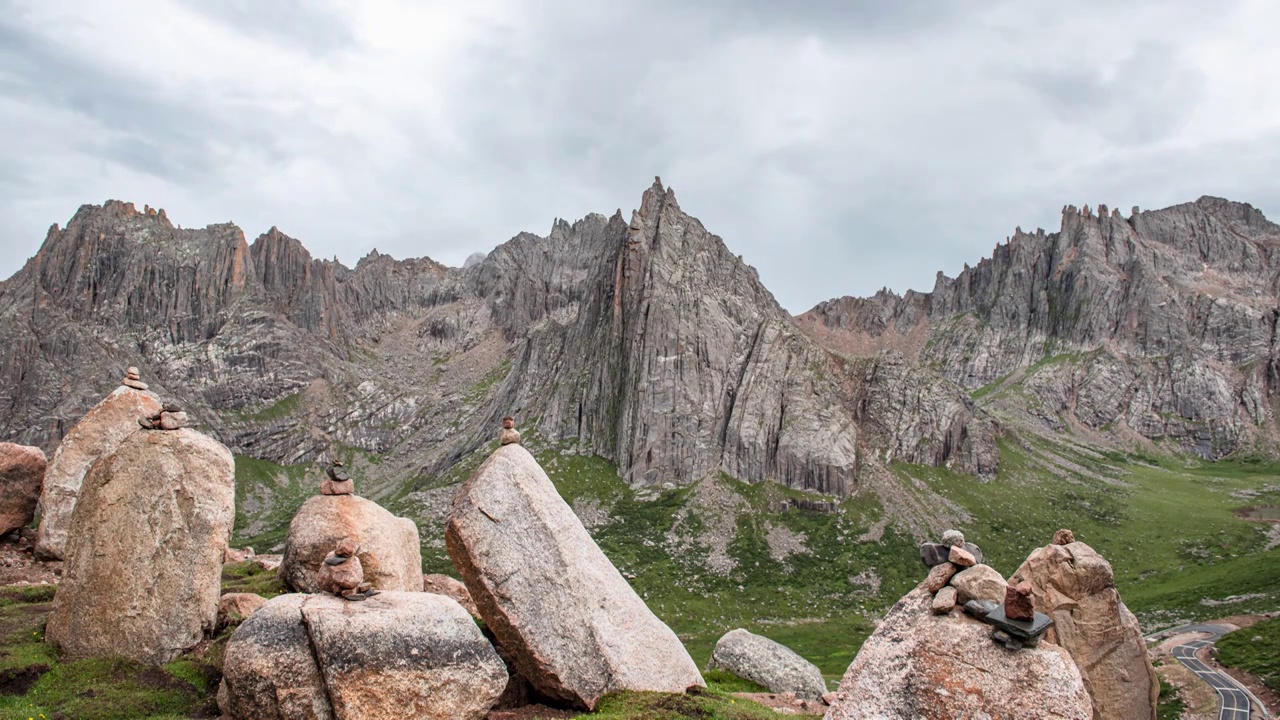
(246, 577)
(1255, 650)
(267, 497)
(285, 407)
(1169, 706)
(709, 704)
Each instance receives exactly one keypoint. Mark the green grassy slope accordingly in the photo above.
(1256, 650)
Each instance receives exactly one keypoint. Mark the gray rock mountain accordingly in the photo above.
(1159, 326)
(645, 341)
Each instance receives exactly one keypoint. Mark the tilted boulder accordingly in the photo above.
(767, 663)
(144, 553)
(554, 601)
(921, 665)
(22, 470)
(390, 553)
(98, 433)
(268, 671)
(1076, 587)
(397, 654)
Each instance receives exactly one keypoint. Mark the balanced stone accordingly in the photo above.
(337, 481)
(932, 554)
(1064, 537)
(939, 576)
(509, 434)
(960, 556)
(1018, 601)
(1024, 632)
(944, 601)
(953, 538)
(342, 574)
(975, 551)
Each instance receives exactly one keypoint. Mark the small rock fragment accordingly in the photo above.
(1064, 537)
(1018, 602)
(933, 553)
(975, 551)
(944, 601)
(509, 435)
(939, 576)
(953, 538)
(962, 557)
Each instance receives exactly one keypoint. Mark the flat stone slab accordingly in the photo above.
(1019, 629)
(932, 554)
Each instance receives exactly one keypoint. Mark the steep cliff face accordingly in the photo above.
(644, 341)
(1160, 325)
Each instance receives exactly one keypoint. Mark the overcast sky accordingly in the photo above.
(838, 148)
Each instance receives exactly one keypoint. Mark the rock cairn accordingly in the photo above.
(133, 379)
(170, 417)
(337, 481)
(958, 577)
(509, 434)
(342, 574)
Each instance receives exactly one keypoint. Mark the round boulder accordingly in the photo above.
(980, 582)
(21, 476)
(144, 553)
(389, 550)
(767, 663)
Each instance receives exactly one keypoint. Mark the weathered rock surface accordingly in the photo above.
(944, 600)
(450, 588)
(767, 663)
(1076, 587)
(1160, 324)
(233, 608)
(269, 671)
(940, 575)
(390, 554)
(144, 551)
(98, 433)
(921, 665)
(397, 654)
(980, 582)
(574, 626)
(22, 470)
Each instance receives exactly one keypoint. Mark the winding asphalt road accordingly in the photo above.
(1235, 699)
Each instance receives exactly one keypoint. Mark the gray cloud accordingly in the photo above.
(839, 147)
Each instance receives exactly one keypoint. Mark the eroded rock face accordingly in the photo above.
(767, 663)
(921, 665)
(1076, 587)
(390, 554)
(98, 433)
(144, 552)
(574, 626)
(22, 469)
(397, 654)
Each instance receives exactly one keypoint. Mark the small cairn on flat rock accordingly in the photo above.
(509, 434)
(342, 574)
(1015, 622)
(337, 481)
(170, 417)
(133, 380)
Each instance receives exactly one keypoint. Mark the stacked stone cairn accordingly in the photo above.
(133, 379)
(509, 435)
(170, 417)
(342, 574)
(337, 481)
(955, 568)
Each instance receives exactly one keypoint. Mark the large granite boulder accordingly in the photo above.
(921, 665)
(574, 626)
(397, 654)
(144, 553)
(389, 549)
(1076, 587)
(767, 663)
(98, 433)
(22, 470)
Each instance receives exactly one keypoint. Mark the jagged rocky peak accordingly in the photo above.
(1167, 317)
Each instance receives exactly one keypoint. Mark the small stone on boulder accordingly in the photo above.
(767, 663)
(944, 600)
(953, 538)
(1018, 604)
(390, 554)
(980, 582)
(932, 554)
(939, 576)
(21, 477)
(450, 588)
(975, 551)
(1064, 537)
(960, 556)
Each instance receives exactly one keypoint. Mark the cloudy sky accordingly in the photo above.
(839, 146)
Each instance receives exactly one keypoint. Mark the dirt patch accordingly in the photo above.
(19, 566)
(680, 706)
(17, 681)
(531, 712)
(1201, 701)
